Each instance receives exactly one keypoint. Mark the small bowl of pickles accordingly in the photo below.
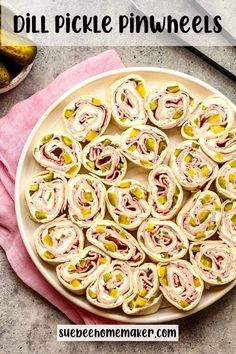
(17, 53)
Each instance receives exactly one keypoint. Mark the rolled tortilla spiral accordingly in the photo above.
(227, 228)
(127, 203)
(220, 148)
(59, 153)
(193, 169)
(213, 117)
(103, 159)
(201, 216)
(116, 242)
(226, 180)
(169, 105)
(46, 196)
(86, 200)
(146, 297)
(58, 241)
(214, 261)
(166, 194)
(112, 286)
(86, 118)
(162, 241)
(127, 101)
(144, 145)
(180, 284)
(82, 269)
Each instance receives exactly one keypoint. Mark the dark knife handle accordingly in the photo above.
(211, 62)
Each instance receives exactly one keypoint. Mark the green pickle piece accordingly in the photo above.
(47, 138)
(206, 261)
(91, 135)
(113, 292)
(178, 114)
(49, 177)
(67, 158)
(123, 219)
(173, 89)
(137, 192)
(67, 141)
(40, 215)
(151, 143)
(72, 171)
(153, 105)
(34, 187)
(112, 198)
(68, 113)
(188, 130)
(92, 294)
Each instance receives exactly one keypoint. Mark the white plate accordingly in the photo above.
(51, 121)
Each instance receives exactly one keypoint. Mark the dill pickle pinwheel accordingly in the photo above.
(215, 261)
(82, 269)
(226, 180)
(127, 101)
(220, 148)
(116, 242)
(192, 167)
(59, 153)
(180, 284)
(201, 216)
(166, 194)
(162, 241)
(145, 145)
(170, 105)
(58, 241)
(213, 117)
(86, 117)
(46, 196)
(103, 158)
(146, 297)
(227, 228)
(128, 204)
(86, 200)
(112, 286)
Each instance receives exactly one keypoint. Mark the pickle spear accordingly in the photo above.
(20, 49)
(5, 77)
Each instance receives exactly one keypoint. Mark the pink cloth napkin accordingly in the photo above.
(14, 130)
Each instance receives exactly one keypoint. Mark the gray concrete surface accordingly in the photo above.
(27, 321)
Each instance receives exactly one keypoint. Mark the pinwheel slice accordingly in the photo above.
(116, 242)
(201, 216)
(192, 167)
(180, 284)
(127, 203)
(58, 241)
(46, 196)
(59, 153)
(170, 105)
(227, 228)
(86, 200)
(166, 194)
(112, 286)
(162, 241)
(86, 118)
(103, 158)
(145, 145)
(220, 148)
(146, 297)
(127, 101)
(215, 261)
(226, 180)
(82, 269)
(213, 117)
